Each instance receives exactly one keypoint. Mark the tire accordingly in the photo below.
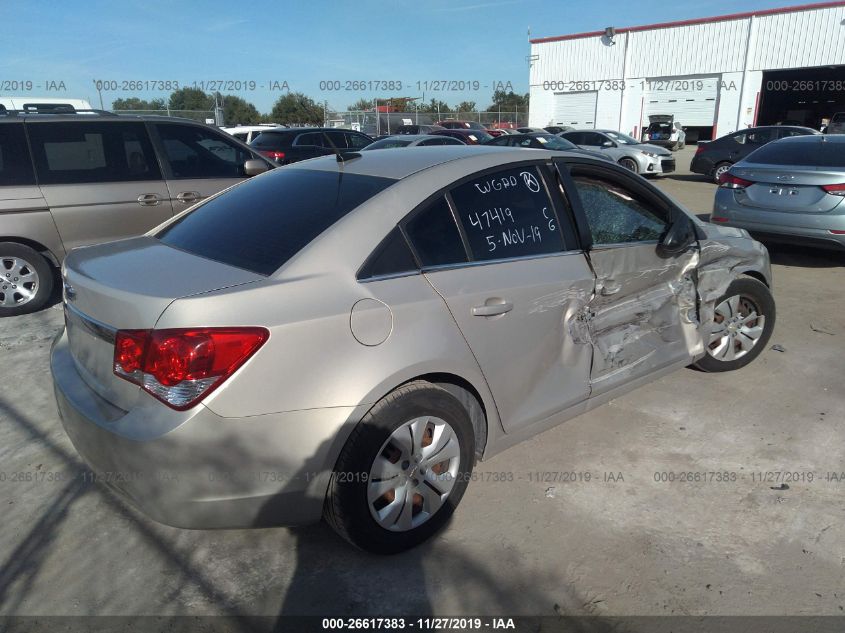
(352, 505)
(26, 279)
(719, 169)
(726, 348)
(630, 164)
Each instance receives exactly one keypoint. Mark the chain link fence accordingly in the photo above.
(375, 123)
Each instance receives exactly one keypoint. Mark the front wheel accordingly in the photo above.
(403, 470)
(630, 164)
(26, 279)
(743, 321)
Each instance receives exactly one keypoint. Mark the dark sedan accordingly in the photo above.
(716, 157)
(289, 145)
(468, 136)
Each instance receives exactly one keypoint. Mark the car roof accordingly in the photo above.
(416, 159)
(813, 138)
(91, 116)
(411, 137)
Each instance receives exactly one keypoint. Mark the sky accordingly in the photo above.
(305, 46)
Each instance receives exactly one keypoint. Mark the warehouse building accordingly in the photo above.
(715, 75)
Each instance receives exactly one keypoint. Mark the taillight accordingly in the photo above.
(836, 190)
(715, 218)
(277, 156)
(699, 149)
(181, 367)
(728, 181)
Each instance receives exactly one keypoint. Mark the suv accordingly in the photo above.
(248, 133)
(287, 145)
(665, 131)
(69, 180)
(716, 157)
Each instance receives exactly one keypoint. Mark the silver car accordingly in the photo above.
(640, 158)
(791, 190)
(345, 337)
(412, 140)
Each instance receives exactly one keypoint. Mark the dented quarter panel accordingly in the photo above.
(726, 254)
(643, 313)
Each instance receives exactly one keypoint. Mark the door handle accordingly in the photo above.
(149, 199)
(188, 196)
(492, 307)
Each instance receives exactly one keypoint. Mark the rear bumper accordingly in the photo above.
(791, 228)
(700, 165)
(196, 469)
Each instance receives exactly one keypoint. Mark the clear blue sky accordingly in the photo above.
(304, 42)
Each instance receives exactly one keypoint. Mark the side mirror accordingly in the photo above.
(678, 238)
(608, 144)
(254, 166)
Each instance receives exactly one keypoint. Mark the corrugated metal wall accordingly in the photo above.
(795, 40)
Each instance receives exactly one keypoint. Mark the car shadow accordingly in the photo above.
(804, 256)
(689, 178)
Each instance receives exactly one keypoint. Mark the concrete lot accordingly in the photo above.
(624, 547)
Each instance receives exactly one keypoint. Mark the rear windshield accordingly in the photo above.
(272, 139)
(839, 117)
(262, 223)
(387, 143)
(815, 154)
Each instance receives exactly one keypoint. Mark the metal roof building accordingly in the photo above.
(715, 75)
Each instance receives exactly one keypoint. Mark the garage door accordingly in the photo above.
(577, 109)
(692, 100)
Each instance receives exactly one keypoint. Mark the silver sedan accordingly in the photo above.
(640, 158)
(791, 190)
(345, 337)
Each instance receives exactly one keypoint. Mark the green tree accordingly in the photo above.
(296, 107)
(434, 106)
(134, 103)
(237, 111)
(467, 106)
(191, 99)
(508, 101)
(362, 104)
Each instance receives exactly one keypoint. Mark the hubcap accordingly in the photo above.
(721, 170)
(737, 327)
(18, 282)
(413, 474)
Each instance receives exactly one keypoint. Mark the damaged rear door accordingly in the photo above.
(643, 314)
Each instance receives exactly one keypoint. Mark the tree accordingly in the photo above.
(237, 111)
(508, 101)
(134, 103)
(467, 106)
(435, 106)
(296, 107)
(191, 99)
(362, 104)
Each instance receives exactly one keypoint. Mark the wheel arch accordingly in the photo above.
(41, 248)
(755, 274)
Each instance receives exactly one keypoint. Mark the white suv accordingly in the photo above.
(245, 133)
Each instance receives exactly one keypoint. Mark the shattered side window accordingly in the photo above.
(615, 215)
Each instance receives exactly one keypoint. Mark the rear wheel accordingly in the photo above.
(630, 164)
(26, 279)
(403, 470)
(742, 325)
(720, 169)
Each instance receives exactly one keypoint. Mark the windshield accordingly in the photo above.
(388, 143)
(623, 139)
(550, 141)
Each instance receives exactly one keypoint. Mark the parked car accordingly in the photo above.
(836, 125)
(558, 129)
(417, 129)
(468, 136)
(716, 157)
(640, 158)
(454, 124)
(790, 190)
(289, 145)
(248, 133)
(531, 130)
(94, 177)
(665, 131)
(413, 140)
(545, 141)
(342, 336)
(495, 132)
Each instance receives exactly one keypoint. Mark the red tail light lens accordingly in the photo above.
(277, 156)
(729, 181)
(181, 367)
(699, 149)
(836, 190)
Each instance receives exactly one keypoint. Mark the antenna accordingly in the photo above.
(342, 157)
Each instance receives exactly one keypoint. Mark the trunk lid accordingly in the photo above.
(788, 189)
(128, 285)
